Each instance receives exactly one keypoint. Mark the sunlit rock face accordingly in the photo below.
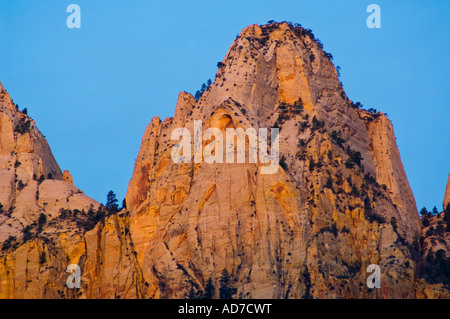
(31, 185)
(447, 194)
(338, 201)
(314, 224)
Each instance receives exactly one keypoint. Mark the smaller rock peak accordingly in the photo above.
(251, 30)
(185, 104)
(447, 193)
(67, 177)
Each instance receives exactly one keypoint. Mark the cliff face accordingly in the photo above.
(434, 265)
(30, 179)
(316, 223)
(31, 185)
(339, 200)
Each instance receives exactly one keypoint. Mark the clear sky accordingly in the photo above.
(93, 90)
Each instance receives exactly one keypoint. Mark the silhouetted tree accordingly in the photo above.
(27, 234)
(202, 90)
(41, 221)
(226, 291)
(111, 202)
(434, 212)
(423, 211)
(209, 289)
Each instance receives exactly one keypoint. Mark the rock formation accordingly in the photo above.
(317, 223)
(433, 267)
(30, 179)
(339, 201)
(447, 194)
(31, 189)
(67, 177)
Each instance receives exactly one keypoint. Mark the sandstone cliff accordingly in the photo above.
(30, 179)
(447, 194)
(339, 201)
(31, 186)
(434, 264)
(315, 224)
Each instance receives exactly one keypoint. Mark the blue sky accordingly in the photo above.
(93, 90)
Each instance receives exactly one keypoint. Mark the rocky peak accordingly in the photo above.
(192, 220)
(272, 64)
(31, 181)
(339, 201)
(24, 153)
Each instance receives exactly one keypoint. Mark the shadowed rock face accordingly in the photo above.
(339, 201)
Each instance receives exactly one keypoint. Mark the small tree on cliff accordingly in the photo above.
(225, 290)
(111, 202)
(209, 289)
(434, 211)
(41, 221)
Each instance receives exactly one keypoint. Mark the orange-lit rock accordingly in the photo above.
(447, 193)
(67, 177)
(339, 201)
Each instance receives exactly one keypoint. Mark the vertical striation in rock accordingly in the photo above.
(315, 224)
(33, 200)
(339, 201)
(390, 172)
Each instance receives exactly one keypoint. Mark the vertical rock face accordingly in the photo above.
(338, 201)
(316, 223)
(435, 250)
(390, 172)
(32, 195)
(447, 194)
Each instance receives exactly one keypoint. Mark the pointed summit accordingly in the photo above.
(31, 181)
(272, 64)
(339, 165)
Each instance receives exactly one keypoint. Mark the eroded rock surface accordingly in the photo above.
(339, 201)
